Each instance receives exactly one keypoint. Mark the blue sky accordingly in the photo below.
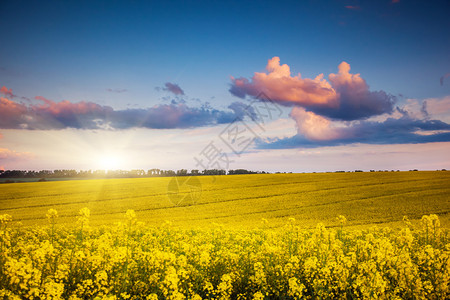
(120, 54)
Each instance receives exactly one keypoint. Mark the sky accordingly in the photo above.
(290, 86)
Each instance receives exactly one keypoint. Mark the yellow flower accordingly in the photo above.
(173, 263)
(131, 215)
(85, 212)
(152, 296)
(258, 296)
(295, 288)
(51, 215)
(84, 215)
(5, 218)
(342, 220)
(406, 221)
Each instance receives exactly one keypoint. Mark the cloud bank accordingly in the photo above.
(343, 110)
(47, 114)
(411, 124)
(345, 96)
(316, 131)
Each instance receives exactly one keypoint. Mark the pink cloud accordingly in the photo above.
(278, 84)
(11, 113)
(344, 79)
(65, 107)
(315, 127)
(345, 96)
(7, 154)
(7, 92)
(48, 114)
(438, 105)
(438, 108)
(56, 115)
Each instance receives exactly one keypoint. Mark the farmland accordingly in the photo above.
(280, 236)
(239, 201)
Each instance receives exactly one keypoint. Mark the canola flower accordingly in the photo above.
(51, 215)
(133, 261)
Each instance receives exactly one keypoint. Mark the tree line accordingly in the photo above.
(118, 173)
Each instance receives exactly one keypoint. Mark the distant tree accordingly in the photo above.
(153, 172)
(44, 173)
(214, 172)
(182, 172)
(168, 173)
(240, 171)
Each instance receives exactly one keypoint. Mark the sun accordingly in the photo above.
(109, 162)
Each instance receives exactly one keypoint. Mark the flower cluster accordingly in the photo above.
(132, 261)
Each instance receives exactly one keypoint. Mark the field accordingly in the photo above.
(238, 201)
(279, 236)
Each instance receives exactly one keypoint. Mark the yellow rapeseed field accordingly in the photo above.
(280, 236)
(133, 261)
(239, 201)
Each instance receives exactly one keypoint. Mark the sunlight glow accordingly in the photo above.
(109, 162)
